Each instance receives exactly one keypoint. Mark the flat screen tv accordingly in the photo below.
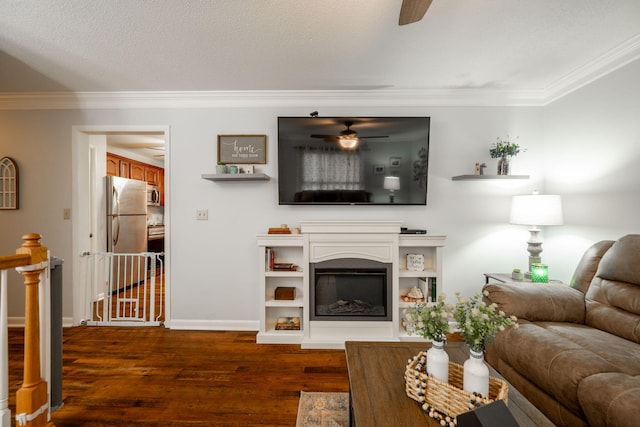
(353, 160)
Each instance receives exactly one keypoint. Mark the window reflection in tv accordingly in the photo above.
(353, 160)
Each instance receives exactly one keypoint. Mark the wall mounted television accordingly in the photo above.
(353, 160)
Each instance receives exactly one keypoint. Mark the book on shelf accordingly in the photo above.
(279, 230)
(288, 324)
(284, 266)
(428, 285)
(433, 290)
(270, 257)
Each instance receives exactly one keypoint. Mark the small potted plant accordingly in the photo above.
(504, 150)
(221, 168)
(516, 274)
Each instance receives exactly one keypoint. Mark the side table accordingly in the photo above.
(506, 278)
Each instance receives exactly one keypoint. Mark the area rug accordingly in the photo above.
(323, 409)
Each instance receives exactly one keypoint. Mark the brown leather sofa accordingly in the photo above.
(576, 354)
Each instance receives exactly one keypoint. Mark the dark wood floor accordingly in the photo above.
(152, 376)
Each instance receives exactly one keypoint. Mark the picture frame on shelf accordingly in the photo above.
(242, 149)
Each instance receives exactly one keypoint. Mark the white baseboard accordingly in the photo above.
(184, 324)
(214, 325)
(18, 322)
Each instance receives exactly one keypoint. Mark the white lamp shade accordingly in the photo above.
(391, 183)
(536, 209)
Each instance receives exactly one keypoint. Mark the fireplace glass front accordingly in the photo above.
(350, 289)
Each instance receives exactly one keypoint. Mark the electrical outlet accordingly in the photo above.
(66, 213)
(202, 214)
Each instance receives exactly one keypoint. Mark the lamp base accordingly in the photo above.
(534, 247)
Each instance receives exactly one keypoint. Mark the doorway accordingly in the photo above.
(144, 144)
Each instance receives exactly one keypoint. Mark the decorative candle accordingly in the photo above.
(539, 273)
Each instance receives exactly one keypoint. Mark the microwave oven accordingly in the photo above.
(153, 195)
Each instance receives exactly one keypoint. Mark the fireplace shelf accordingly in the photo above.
(327, 240)
(283, 274)
(424, 273)
(283, 248)
(284, 303)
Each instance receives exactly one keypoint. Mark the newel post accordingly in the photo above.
(32, 400)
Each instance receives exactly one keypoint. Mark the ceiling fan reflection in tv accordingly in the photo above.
(347, 138)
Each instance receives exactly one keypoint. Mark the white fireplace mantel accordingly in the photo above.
(350, 227)
(328, 240)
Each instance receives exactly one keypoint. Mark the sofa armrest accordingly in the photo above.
(537, 302)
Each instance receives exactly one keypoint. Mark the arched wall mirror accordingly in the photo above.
(9, 197)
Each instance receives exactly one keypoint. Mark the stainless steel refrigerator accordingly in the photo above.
(127, 227)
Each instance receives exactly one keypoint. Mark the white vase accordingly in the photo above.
(476, 374)
(438, 362)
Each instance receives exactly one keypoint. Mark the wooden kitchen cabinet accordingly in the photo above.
(151, 174)
(125, 168)
(137, 171)
(133, 169)
(118, 166)
(113, 165)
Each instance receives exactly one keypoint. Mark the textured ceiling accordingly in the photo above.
(219, 45)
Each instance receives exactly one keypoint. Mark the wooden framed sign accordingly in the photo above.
(246, 149)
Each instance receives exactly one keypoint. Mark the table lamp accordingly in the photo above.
(535, 210)
(391, 183)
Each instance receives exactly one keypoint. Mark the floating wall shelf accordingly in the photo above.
(237, 177)
(479, 177)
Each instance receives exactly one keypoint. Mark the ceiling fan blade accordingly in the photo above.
(326, 137)
(413, 10)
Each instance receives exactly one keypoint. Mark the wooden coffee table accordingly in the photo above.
(377, 387)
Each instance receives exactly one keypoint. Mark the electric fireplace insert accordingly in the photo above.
(350, 289)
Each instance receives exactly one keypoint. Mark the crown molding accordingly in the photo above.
(387, 97)
(614, 59)
(289, 98)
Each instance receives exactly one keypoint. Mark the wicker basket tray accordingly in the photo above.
(446, 401)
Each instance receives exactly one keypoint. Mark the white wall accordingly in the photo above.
(592, 158)
(214, 277)
(214, 268)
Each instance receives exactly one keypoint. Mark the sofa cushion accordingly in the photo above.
(533, 301)
(613, 298)
(619, 352)
(611, 399)
(621, 262)
(543, 353)
(588, 265)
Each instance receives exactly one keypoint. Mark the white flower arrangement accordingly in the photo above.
(478, 322)
(431, 319)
